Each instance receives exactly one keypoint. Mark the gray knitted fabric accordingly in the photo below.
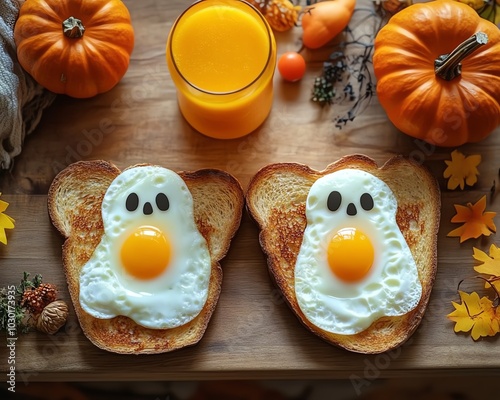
(22, 100)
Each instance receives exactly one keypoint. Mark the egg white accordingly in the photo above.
(177, 295)
(392, 286)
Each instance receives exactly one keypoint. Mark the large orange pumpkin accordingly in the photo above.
(438, 73)
(74, 47)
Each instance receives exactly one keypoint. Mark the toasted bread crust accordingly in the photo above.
(74, 204)
(276, 201)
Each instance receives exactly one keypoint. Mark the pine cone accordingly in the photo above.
(52, 317)
(281, 14)
(35, 299)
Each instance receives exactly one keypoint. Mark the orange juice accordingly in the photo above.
(221, 55)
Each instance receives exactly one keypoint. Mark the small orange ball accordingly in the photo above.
(291, 66)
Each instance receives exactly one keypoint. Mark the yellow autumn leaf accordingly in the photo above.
(476, 315)
(6, 222)
(461, 170)
(490, 265)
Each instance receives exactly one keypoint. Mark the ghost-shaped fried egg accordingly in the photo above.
(152, 264)
(354, 265)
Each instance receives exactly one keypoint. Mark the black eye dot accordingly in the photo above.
(334, 201)
(162, 202)
(132, 202)
(366, 201)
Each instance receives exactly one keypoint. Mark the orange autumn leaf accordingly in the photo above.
(476, 315)
(475, 220)
(490, 265)
(461, 170)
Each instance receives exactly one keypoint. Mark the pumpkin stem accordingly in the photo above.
(73, 28)
(449, 66)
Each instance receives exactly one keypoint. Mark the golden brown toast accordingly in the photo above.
(74, 204)
(276, 199)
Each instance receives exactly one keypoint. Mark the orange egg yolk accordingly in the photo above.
(145, 254)
(350, 254)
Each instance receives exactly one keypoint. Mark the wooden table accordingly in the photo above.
(251, 335)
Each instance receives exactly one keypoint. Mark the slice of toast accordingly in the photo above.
(74, 204)
(276, 199)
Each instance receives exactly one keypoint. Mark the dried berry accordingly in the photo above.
(281, 15)
(35, 299)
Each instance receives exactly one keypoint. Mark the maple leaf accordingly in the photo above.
(476, 221)
(6, 222)
(476, 314)
(490, 265)
(461, 170)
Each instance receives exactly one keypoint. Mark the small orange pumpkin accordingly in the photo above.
(322, 21)
(78, 47)
(438, 73)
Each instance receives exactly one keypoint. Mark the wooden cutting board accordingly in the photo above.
(252, 333)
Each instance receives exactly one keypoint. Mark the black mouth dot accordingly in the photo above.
(147, 209)
(351, 209)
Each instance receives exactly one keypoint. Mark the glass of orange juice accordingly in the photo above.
(221, 55)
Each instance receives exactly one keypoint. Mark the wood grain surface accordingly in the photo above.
(252, 333)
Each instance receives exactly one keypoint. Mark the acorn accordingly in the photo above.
(52, 317)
